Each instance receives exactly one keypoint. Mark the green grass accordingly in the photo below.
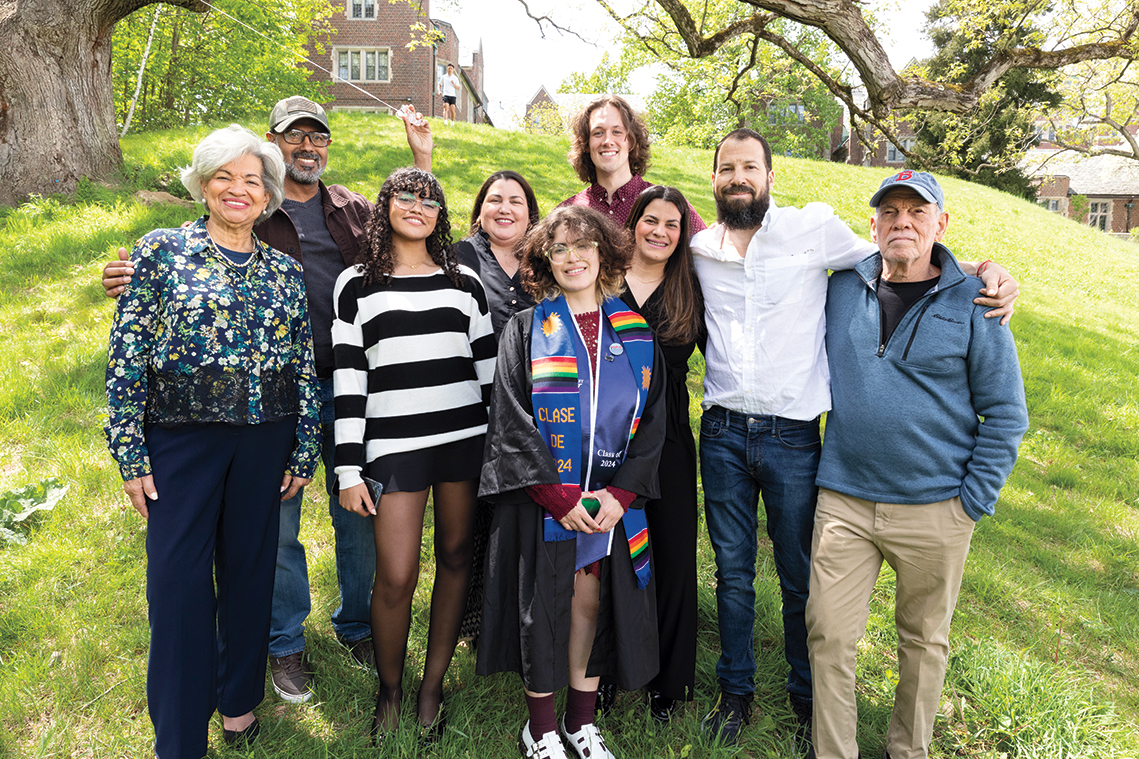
(1046, 637)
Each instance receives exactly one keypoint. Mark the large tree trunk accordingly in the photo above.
(57, 112)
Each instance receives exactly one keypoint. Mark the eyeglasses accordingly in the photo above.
(297, 137)
(583, 249)
(407, 201)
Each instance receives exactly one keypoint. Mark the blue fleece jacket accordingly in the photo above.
(904, 426)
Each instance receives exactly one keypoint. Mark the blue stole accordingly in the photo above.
(587, 419)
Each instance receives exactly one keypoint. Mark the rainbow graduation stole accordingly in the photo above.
(588, 420)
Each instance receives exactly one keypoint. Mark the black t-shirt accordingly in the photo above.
(895, 299)
(322, 264)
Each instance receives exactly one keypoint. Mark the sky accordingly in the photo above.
(519, 59)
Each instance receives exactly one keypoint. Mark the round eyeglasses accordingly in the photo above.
(407, 201)
(583, 249)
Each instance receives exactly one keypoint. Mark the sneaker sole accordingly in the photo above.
(293, 698)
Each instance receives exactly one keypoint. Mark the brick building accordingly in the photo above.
(881, 154)
(1101, 191)
(368, 50)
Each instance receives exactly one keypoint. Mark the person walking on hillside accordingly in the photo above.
(449, 88)
(322, 227)
(928, 411)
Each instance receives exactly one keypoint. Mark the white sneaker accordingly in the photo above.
(549, 746)
(587, 742)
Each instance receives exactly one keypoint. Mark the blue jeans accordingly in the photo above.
(742, 457)
(355, 560)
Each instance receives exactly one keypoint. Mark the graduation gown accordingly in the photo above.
(529, 582)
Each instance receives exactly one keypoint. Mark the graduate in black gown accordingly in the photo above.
(576, 429)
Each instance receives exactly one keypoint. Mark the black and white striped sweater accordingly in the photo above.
(414, 365)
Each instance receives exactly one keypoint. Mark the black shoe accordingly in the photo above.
(661, 707)
(244, 737)
(433, 733)
(803, 707)
(606, 698)
(731, 712)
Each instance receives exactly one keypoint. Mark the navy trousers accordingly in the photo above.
(216, 519)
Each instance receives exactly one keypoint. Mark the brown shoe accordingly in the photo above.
(362, 652)
(291, 679)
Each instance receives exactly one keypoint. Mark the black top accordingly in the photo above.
(895, 299)
(676, 363)
(504, 294)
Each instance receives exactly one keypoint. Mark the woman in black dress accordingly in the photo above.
(661, 285)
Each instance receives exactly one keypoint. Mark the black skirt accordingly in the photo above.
(528, 596)
(412, 471)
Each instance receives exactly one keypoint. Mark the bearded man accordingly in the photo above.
(763, 270)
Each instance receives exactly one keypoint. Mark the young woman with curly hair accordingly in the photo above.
(414, 362)
(576, 429)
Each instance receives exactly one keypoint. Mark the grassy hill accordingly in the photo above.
(1046, 638)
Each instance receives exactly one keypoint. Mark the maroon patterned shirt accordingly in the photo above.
(596, 197)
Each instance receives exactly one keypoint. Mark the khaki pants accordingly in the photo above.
(926, 545)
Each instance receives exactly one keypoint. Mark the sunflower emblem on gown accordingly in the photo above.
(551, 324)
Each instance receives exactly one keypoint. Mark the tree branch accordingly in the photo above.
(540, 20)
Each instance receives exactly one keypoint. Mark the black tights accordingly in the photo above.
(399, 531)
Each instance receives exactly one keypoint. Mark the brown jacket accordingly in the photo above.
(345, 212)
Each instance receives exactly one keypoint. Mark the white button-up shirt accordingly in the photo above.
(766, 311)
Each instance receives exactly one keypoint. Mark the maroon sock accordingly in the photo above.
(579, 708)
(543, 715)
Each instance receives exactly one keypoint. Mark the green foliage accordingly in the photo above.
(543, 118)
(1025, 708)
(205, 67)
(611, 78)
(16, 506)
(1078, 206)
(747, 83)
(985, 144)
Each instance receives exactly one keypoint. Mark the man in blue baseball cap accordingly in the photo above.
(927, 413)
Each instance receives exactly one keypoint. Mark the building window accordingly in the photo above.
(893, 155)
(786, 114)
(361, 8)
(362, 64)
(1097, 215)
(1049, 204)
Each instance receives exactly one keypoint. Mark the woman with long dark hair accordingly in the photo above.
(660, 284)
(414, 361)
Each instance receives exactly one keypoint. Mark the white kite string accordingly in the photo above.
(334, 77)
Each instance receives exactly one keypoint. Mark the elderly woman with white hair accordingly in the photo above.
(213, 420)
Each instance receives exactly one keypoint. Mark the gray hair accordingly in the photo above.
(223, 146)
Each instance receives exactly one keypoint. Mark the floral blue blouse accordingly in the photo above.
(199, 339)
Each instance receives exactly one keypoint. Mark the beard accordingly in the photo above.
(742, 214)
(301, 176)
